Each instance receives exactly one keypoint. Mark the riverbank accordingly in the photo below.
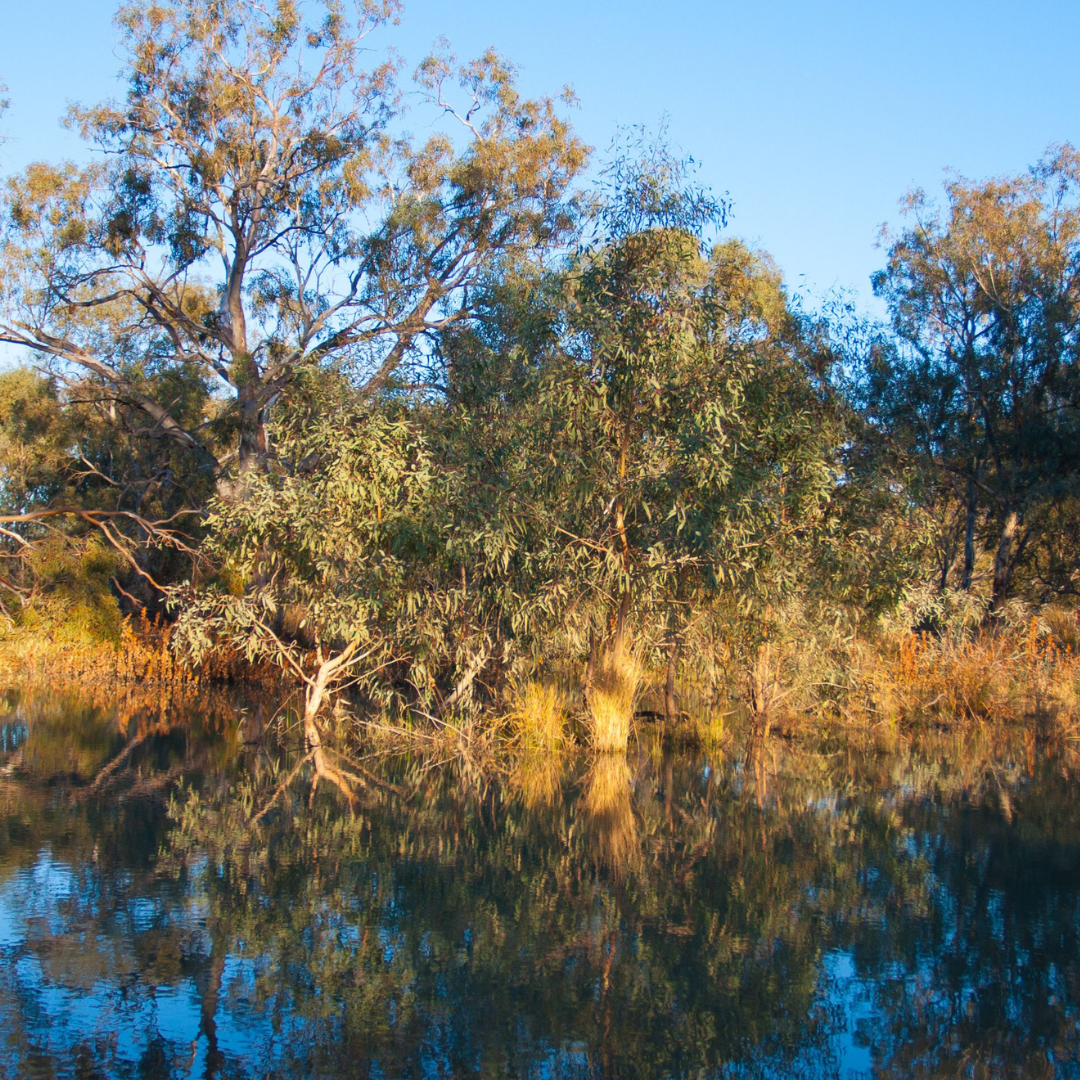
(876, 686)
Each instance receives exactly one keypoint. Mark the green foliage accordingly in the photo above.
(425, 417)
(34, 439)
(982, 390)
(330, 543)
(642, 435)
(691, 427)
(75, 601)
(262, 209)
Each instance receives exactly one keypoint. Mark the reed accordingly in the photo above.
(538, 715)
(1014, 675)
(611, 699)
(141, 655)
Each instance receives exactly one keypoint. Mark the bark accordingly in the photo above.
(313, 699)
(969, 535)
(317, 688)
(618, 639)
(252, 452)
(946, 566)
(1004, 560)
(670, 708)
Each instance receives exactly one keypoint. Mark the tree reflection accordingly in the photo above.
(790, 913)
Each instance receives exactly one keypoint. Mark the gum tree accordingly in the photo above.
(690, 416)
(259, 209)
(983, 389)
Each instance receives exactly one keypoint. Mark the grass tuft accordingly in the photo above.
(611, 700)
(538, 713)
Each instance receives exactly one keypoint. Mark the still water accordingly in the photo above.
(174, 903)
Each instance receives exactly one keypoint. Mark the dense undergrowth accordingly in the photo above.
(59, 650)
(884, 682)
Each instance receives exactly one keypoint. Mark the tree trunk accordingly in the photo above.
(252, 453)
(969, 535)
(618, 639)
(313, 698)
(1004, 561)
(670, 709)
(761, 683)
(253, 445)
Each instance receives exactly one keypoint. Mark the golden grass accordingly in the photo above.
(142, 656)
(611, 700)
(538, 714)
(1002, 676)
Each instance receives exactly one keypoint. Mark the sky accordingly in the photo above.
(814, 117)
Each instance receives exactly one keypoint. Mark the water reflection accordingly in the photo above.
(790, 914)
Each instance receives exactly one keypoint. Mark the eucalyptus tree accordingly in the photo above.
(625, 436)
(386, 549)
(984, 386)
(320, 568)
(394, 545)
(259, 208)
(89, 507)
(690, 416)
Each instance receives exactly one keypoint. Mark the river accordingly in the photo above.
(177, 899)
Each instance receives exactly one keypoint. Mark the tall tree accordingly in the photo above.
(691, 415)
(259, 209)
(985, 384)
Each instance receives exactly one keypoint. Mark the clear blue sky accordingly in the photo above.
(814, 116)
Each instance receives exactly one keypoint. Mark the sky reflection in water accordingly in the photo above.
(809, 914)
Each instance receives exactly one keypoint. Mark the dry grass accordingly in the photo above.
(884, 678)
(538, 715)
(142, 656)
(1005, 676)
(611, 700)
(1063, 626)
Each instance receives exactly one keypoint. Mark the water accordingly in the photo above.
(807, 913)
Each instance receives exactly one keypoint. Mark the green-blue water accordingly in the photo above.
(691, 914)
